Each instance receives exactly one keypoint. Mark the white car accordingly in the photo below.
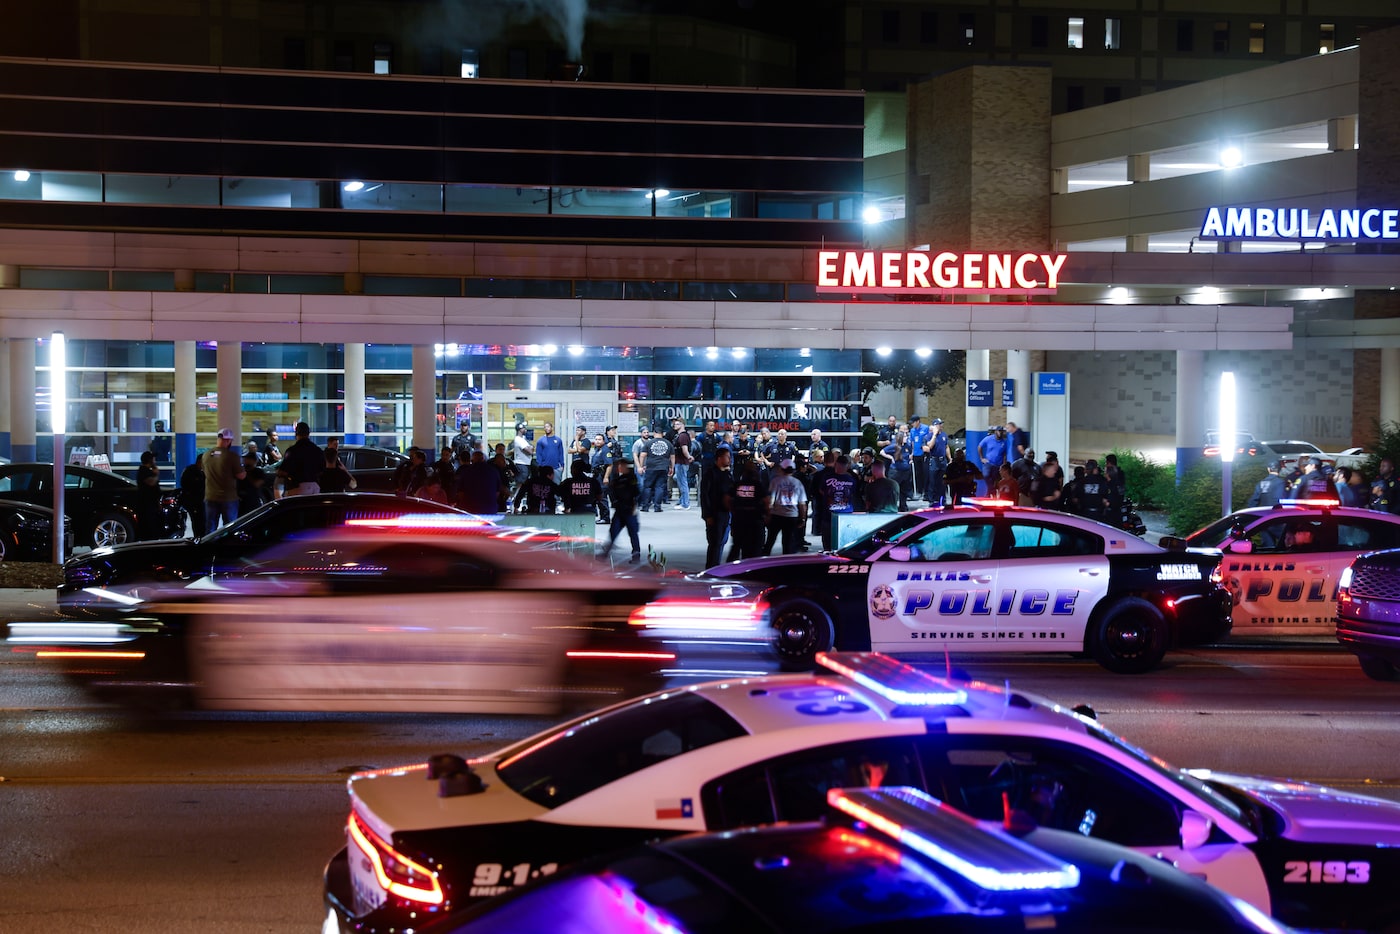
(439, 835)
(1291, 453)
(1281, 564)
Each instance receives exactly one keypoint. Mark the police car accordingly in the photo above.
(1281, 563)
(884, 859)
(440, 835)
(991, 576)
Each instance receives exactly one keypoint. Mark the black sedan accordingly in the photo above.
(111, 579)
(26, 532)
(102, 505)
(372, 467)
(891, 859)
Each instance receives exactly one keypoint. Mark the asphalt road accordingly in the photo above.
(223, 822)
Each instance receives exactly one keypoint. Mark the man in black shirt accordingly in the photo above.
(625, 493)
(837, 489)
(716, 503)
(749, 513)
(540, 493)
(581, 492)
(300, 468)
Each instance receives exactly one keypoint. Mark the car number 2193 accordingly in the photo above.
(1332, 871)
(491, 879)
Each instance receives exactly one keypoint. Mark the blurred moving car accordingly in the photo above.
(440, 835)
(1247, 447)
(102, 505)
(373, 468)
(26, 532)
(113, 579)
(1368, 613)
(1281, 564)
(884, 859)
(415, 616)
(990, 576)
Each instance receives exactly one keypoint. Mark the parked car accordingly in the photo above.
(1281, 564)
(883, 859)
(1292, 453)
(101, 504)
(1247, 447)
(1368, 613)
(26, 532)
(373, 467)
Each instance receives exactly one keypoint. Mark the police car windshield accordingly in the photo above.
(1215, 534)
(1183, 779)
(588, 754)
(874, 540)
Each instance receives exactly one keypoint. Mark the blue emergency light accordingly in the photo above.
(893, 680)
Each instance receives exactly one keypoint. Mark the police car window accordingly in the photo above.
(952, 541)
(590, 753)
(1367, 534)
(874, 540)
(1056, 784)
(1039, 540)
(1213, 535)
(794, 787)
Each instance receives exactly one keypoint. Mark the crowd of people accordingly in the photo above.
(1314, 479)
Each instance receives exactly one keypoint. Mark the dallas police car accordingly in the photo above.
(991, 576)
(429, 838)
(1281, 563)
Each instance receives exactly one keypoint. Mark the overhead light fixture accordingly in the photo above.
(21, 175)
(1231, 157)
(872, 215)
(1210, 293)
(658, 193)
(712, 353)
(1118, 293)
(738, 353)
(923, 353)
(352, 186)
(883, 351)
(575, 350)
(550, 350)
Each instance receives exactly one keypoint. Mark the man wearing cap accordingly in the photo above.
(625, 492)
(936, 461)
(919, 436)
(788, 512)
(1315, 483)
(301, 466)
(223, 468)
(600, 458)
(1095, 498)
(991, 454)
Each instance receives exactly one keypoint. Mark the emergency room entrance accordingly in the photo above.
(565, 410)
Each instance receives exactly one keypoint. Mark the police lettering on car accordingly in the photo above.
(991, 576)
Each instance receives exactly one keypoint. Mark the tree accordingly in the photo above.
(905, 368)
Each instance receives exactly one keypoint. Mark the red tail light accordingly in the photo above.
(396, 873)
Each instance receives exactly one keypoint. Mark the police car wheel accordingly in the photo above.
(803, 629)
(1130, 637)
(1377, 669)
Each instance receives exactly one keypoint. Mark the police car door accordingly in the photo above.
(1280, 582)
(1051, 576)
(933, 588)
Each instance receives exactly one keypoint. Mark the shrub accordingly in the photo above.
(1150, 484)
(1195, 502)
(1387, 445)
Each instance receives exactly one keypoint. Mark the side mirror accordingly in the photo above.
(900, 553)
(1242, 547)
(1195, 829)
(1172, 543)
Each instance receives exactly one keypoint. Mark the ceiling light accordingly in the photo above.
(883, 351)
(712, 353)
(1210, 293)
(575, 350)
(872, 215)
(738, 353)
(658, 193)
(352, 186)
(21, 175)
(1118, 293)
(550, 350)
(923, 353)
(1231, 157)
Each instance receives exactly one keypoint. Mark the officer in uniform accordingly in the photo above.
(1269, 490)
(1315, 483)
(750, 512)
(919, 436)
(1385, 489)
(716, 506)
(1095, 498)
(936, 461)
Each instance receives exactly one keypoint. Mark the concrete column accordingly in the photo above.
(5, 402)
(1018, 368)
(1137, 243)
(1341, 133)
(1190, 408)
(1059, 181)
(229, 383)
(1390, 385)
(185, 407)
(354, 284)
(9, 276)
(354, 393)
(22, 398)
(425, 399)
(1140, 167)
(184, 280)
(979, 366)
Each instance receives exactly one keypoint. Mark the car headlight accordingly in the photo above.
(728, 591)
(1344, 582)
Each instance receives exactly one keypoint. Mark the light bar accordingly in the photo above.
(625, 656)
(989, 503)
(423, 521)
(892, 680)
(1319, 503)
(988, 857)
(699, 614)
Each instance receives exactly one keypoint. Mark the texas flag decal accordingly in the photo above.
(675, 809)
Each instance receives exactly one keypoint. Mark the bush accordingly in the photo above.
(1387, 446)
(1150, 484)
(1195, 502)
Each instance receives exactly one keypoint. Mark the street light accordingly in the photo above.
(58, 418)
(1227, 435)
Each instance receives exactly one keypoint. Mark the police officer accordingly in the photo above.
(919, 436)
(581, 493)
(936, 462)
(991, 454)
(1385, 489)
(716, 506)
(1271, 489)
(1095, 496)
(750, 512)
(1315, 483)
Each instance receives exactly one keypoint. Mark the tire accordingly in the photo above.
(112, 528)
(8, 546)
(1130, 637)
(1377, 669)
(803, 629)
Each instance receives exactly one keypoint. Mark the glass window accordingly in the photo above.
(889, 25)
(161, 189)
(390, 196)
(590, 753)
(1112, 33)
(383, 57)
(1293, 535)
(490, 199)
(1039, 540)
(70, 186)
(1366, 534)
(343, 55)
(79, 279)
(1256, 38)
(967, 29)
(1040, 32)
(1220, 37)
(1074, 97)
(928, 27)
(1185, 35)
(1076, 32)
(1326, 41)
(21, 185)
(144, 281)
(953, 541)
(471, 63)
(1057, 785)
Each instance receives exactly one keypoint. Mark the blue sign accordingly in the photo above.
(1050, 384)
(1008, 392)
(979, 392)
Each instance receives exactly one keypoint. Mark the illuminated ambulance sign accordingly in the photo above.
(921, 272)
(1273, 223)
